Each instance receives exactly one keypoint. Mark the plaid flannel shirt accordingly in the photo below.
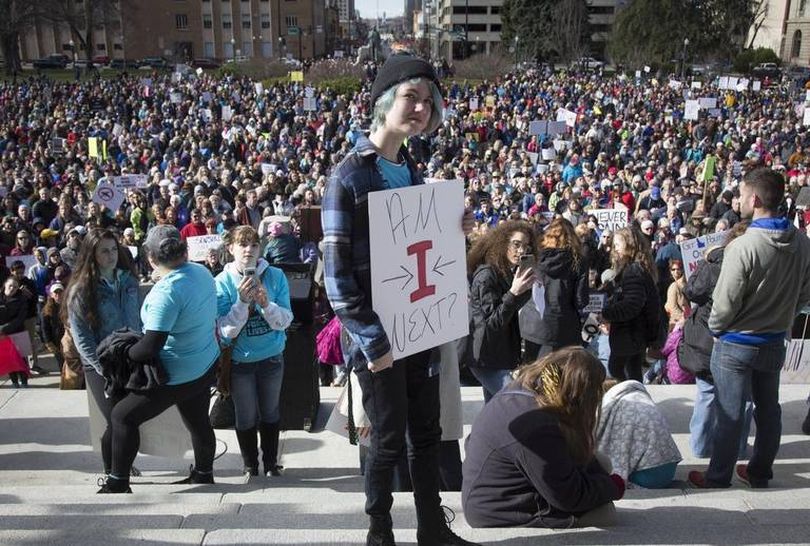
(346, 249)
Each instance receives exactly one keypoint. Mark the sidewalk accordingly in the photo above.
(48, 478)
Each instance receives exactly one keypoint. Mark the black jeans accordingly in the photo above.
(192, 400)
(399, 399)
(624, 367)
(95, 384)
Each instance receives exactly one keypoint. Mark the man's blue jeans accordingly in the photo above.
(704, 422)
(743, 372)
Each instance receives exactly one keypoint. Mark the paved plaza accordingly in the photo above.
(48, 476)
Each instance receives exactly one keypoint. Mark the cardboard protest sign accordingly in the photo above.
(296, 76)
(538, 127)
(691, 109)
(696, 85)
(806, 116)
(108, 195)
(569, 117)
(490, 100)
(722, 83)
(596, 302)
(27, 259)
(92, 147)
(129, 181)
(611, 219)
(638, 74)
(707, 103)
(199, 246)
(418, 265)
(258, 87)
(756, 85)
(474, 104)
(227, 113)
(693, 251)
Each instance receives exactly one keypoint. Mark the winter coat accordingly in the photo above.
(624, 310)
(566, 294)
(13, 312)
(494, 311)
(674, 372)
(695, 351)
(122, 374)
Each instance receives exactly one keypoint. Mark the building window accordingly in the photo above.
(494, 10)
(494, 28)
(265, 20)
(101, 47)
(67, 47)
(208, 22)
(118, 47)
(291, 20)
(801, 7)
(796, 47)
(601, 10)
(246, 20)
(181, 21)
(226, 20)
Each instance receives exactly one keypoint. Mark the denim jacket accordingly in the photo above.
(346, 249)
(118, 307)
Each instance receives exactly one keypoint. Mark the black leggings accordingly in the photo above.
(624, 367)
(192, 400)
(95, 383)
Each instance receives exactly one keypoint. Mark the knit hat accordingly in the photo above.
(399, 68)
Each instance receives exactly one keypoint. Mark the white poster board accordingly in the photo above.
(806, 117)
(199, 246)
(538, 127)
(310, 104)
(691, 109)
(722, 83)
(693, 251)
(474, 104)
(129, 181)
(227, 113)
(611, 219)
(756, 85)
(109, 196)
(708, 103)
(596, 302)
(549, 154)
(569, 117)
(418, 265)
(27, 259)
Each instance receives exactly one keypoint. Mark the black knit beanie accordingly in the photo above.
(399, 68)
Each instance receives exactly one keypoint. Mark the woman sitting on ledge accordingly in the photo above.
(531, 453)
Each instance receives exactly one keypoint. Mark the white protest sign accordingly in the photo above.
(732, 82)
(199, 246)
(611, 219)
(675, 84)
(199, 71)
(742, 84)
(806, 117)
(109, 196)
(27, 259)
(309, 91)
(474, 104)
(117, 129)
(538, 127)
(691, 109)
(708, 102)
(646, 69)
(533, 157)
(696, 85)
(638, 74)
(569, 117)
(556, 128)
(596, 302)
(722, 83)
(561, 145)
(693, 251)
(756, 85)
(310, 104)
(418, 265)
(259, 88)
(715, 113)
(227, 113)
(129, 181)
(267, 168)
(549, 154)
(206, 114)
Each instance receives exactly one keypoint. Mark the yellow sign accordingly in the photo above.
(297, 76)
(92, 147)
(490, 100)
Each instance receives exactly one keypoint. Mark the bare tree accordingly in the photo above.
(83, 17)
(569, 30)
(16, 16)
(760, 14)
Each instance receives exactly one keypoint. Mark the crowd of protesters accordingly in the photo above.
(223, 153)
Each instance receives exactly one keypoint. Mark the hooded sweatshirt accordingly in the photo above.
(256, 333)
(763, 285)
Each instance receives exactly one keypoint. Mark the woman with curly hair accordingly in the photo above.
(531, 454)
(633, 308)
(499, 288)
(562, 270)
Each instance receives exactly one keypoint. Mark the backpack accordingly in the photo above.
(327, 343)
(655, 321)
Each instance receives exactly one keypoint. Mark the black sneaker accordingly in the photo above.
(443, 536)
(274, 470)
(111, 485)
(39, 370)
(196, 477)
(251, 470)
(380, 538)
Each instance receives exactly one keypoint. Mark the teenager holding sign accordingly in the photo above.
(402, 394)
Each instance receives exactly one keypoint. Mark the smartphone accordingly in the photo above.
(249, 272)
(526, 262)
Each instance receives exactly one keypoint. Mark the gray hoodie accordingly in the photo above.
(763, 284)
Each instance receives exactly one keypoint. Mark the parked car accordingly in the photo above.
(154, 62)
(101, 60)
(589, 63)
(205, 62)
(121, 64)
(767, 70)
(237, 59)
(799, 74)
(54, 60)
(295, 63)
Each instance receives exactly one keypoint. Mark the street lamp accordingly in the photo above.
(233, 48)
(517, 40)
(683, 59)
(280, 47)
(73, 55)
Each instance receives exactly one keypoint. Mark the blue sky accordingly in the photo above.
(368, 8)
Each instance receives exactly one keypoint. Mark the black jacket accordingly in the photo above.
(567, 294)
(695, 351)
(123, 374)
(13, 312)
(518, 471)
(624, 310)
(494, 318)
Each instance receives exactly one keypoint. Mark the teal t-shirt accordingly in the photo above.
(396, 175)
(184, 304)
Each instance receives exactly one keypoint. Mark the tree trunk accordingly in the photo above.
(11, 53)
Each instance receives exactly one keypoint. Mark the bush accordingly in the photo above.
(334, 69)
(255, 69)
(751, 58)
(483, 67)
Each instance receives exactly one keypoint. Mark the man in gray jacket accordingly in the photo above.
(764, 283)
